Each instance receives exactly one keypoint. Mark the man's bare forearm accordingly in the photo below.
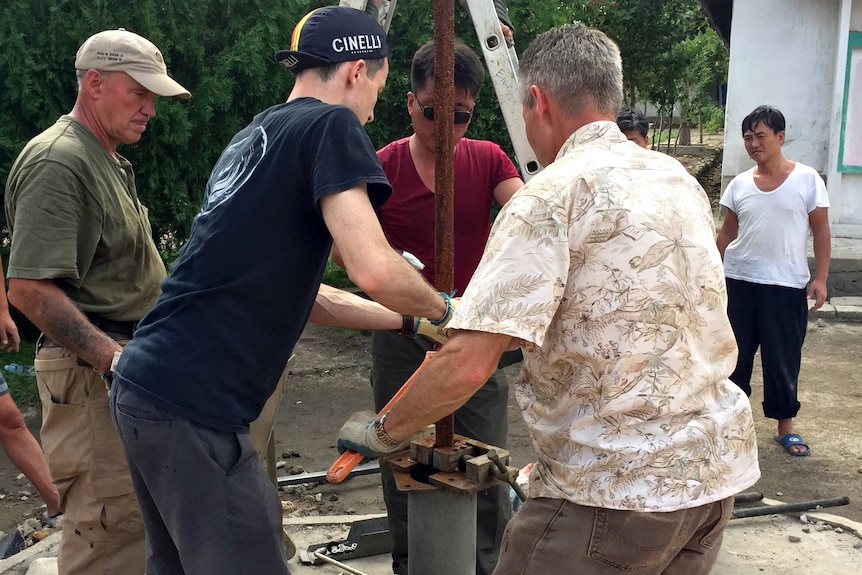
(394, 283)
(822, 243)
(343, 309)
(460, 368)
(60, 320)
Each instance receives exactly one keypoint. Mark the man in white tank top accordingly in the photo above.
(769, 210)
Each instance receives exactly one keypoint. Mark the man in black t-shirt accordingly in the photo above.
(206, 358)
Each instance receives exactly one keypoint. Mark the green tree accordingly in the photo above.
(670, 54)
(222, 50)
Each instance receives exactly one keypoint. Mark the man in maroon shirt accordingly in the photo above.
(483, 175)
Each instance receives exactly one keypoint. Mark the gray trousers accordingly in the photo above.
(208, 507)
(483, 417)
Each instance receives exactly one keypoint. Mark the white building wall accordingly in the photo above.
(845, 189)
(856, 16)
(782, 53)
(792, 54)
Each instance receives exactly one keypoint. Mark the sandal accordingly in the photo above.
(790, 440)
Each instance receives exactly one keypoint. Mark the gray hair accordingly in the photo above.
(79, 76)
(577, 65)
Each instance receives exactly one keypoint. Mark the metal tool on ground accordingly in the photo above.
(340, 565)
(341, 469)
(365, 538)
(369, 468)
(789, 507)
(748, 497)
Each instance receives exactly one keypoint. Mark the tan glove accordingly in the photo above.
(436, 331)
(364, 433)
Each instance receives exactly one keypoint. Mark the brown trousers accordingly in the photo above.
(102, 528)
(557, 536)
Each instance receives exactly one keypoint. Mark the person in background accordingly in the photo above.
(616, 296)
(19, 444)
(634, 126)
(769, 211)
(84, 269)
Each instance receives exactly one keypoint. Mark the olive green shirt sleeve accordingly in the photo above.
(55, 223)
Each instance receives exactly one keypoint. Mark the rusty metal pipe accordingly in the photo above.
(444, 176)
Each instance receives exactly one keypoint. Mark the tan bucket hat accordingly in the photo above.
(123, 51)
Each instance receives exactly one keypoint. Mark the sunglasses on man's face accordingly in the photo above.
(461, 116)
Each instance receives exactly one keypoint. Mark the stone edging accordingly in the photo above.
(847, 308)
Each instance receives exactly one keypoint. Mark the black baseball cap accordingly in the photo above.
(333, 34)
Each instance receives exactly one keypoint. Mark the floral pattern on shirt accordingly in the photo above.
(605, 267)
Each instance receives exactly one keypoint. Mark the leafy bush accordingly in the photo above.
(335, 276)
(713, 119)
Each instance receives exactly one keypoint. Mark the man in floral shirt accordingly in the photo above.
(604, 269)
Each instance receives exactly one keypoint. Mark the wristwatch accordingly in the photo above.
(381, 433)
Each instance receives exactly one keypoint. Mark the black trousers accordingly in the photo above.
(773, 318)
(483, 417)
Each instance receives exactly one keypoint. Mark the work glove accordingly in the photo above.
(359, 434)
(436, 331)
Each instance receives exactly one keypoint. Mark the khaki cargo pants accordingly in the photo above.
(102, 528)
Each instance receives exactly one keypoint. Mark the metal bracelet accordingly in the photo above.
(381, 432)
(445, 317)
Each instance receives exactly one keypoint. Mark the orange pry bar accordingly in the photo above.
(348, 460)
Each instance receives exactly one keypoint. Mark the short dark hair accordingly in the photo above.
(631, 119)
(770, 117)
(327, 71)
(469, 72)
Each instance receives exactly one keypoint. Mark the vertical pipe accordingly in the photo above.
(441, 533)
(444, 176)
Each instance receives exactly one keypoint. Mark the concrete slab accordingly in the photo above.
(848, 312)
(826, 311)
(761, 545)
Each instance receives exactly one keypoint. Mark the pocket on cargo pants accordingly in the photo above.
(84, 453)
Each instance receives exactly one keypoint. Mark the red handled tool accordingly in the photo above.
(348, 460)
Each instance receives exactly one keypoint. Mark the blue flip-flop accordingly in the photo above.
(789, 441)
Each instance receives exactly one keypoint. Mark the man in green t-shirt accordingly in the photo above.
(84, 269)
